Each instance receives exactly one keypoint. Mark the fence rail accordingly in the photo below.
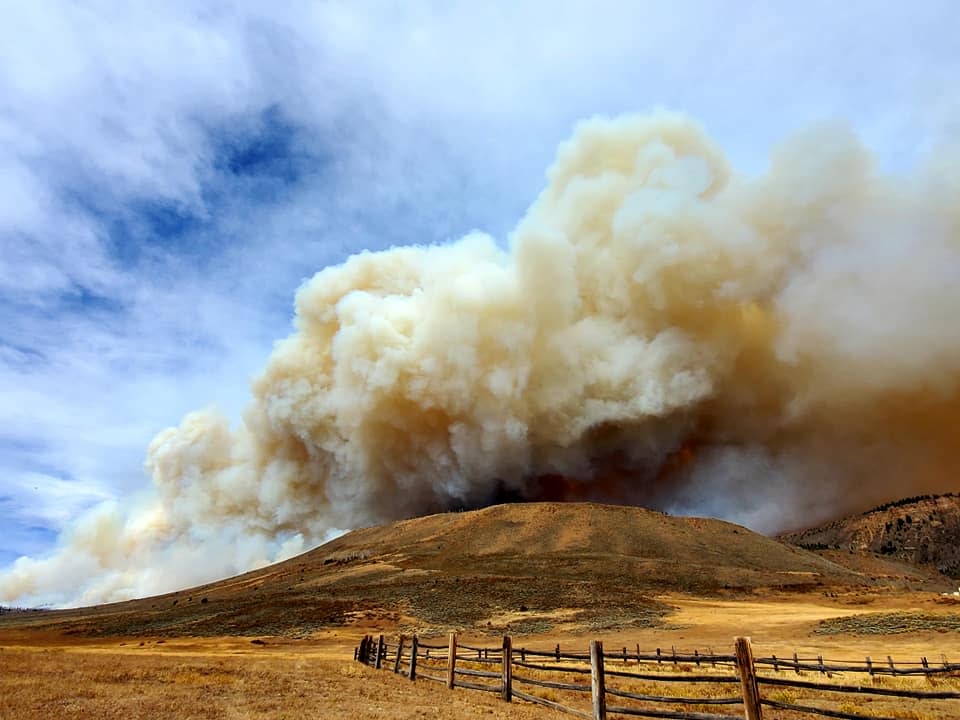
(472, 667)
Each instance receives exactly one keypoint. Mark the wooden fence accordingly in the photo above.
(737, 680)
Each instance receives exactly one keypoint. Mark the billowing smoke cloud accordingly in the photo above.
(774, 350)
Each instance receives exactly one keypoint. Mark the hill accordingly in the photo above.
(922, 530)
(523, 568)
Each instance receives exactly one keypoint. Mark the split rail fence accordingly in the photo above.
(605, 678)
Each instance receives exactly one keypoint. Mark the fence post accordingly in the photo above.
(380, 649)
(796, 663)
(452, 659)
(356, 652)
(414, 648)
(506, 670)
(597, 687)
(748, 679)
(396, 663)
(869, 665)
(893, 670)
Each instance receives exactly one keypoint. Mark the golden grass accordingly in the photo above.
(232, 680)
(45, 675)
(857, 704)
(866, 704)
(40, 684)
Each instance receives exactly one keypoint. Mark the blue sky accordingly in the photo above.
(171, 172)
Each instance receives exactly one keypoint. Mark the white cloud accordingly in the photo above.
(53, 502)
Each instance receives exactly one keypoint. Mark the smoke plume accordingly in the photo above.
(661, 330)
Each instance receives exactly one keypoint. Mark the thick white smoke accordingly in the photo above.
(661, 330)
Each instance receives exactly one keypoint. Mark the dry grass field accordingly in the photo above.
(213, 680)
(45, 674)
(278, 642)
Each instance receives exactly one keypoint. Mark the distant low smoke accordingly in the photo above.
(774, 350)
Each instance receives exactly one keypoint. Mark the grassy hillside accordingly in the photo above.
(523, 568)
